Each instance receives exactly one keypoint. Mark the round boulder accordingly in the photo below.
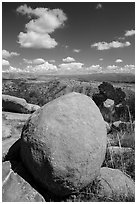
(63, 143)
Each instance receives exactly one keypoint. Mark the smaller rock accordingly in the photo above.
(115, 185)
(14, 104)
(15, 116)
(15, 188)
(109, 103)
(32, 107)
(123, 126)
(6, 144)
(6, 130)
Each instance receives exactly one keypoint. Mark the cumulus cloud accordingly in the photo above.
(107, 46)
(12, 69)
(37, 61)
(112, 67)
(36, 40)
(99, 6)
(94, 68)
(120, 69)
(71, 66)
(129, 68)
(130, 33)
(68, 59)
(43, 22)
(76, 50)
(119, 60)
(5, 62)
(6, 54)
(42, 67)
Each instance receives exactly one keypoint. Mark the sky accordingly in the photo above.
(68, 37)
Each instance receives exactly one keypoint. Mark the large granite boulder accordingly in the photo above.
(63, 144)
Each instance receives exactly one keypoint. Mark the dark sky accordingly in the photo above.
(98, 36)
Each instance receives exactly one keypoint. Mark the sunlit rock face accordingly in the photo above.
(63, 144)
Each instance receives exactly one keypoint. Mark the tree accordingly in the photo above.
(107, 89)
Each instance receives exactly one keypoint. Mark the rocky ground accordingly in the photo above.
(18, 185)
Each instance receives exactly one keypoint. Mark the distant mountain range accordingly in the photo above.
(110, 77)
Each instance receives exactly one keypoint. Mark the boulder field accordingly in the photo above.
(57, 151)
(63, 144)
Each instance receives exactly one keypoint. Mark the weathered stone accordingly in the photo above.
(115, 185)
(9, 116)
(6, 130)
(15, 188)
(63, 144)
(12, 124)
(32, 107)
(17, 105)
(123, 126)
(109, 103)
(14, 104)
(6, 144)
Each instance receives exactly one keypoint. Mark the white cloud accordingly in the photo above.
(44, 21)
(130, 33)
(6, 54)
(99, 6)
(68, 59)
(120, 69)
(101, 59)
(36, 40)
(129, 68)
(112, 67)
(72, 65)
(12, 69)
(107, 46)
(119, 60)
(76, 50)
(42, 68)
(94, 68)
(37, 61)
(5, 62)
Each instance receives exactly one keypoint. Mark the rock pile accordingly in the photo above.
(61, 149)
